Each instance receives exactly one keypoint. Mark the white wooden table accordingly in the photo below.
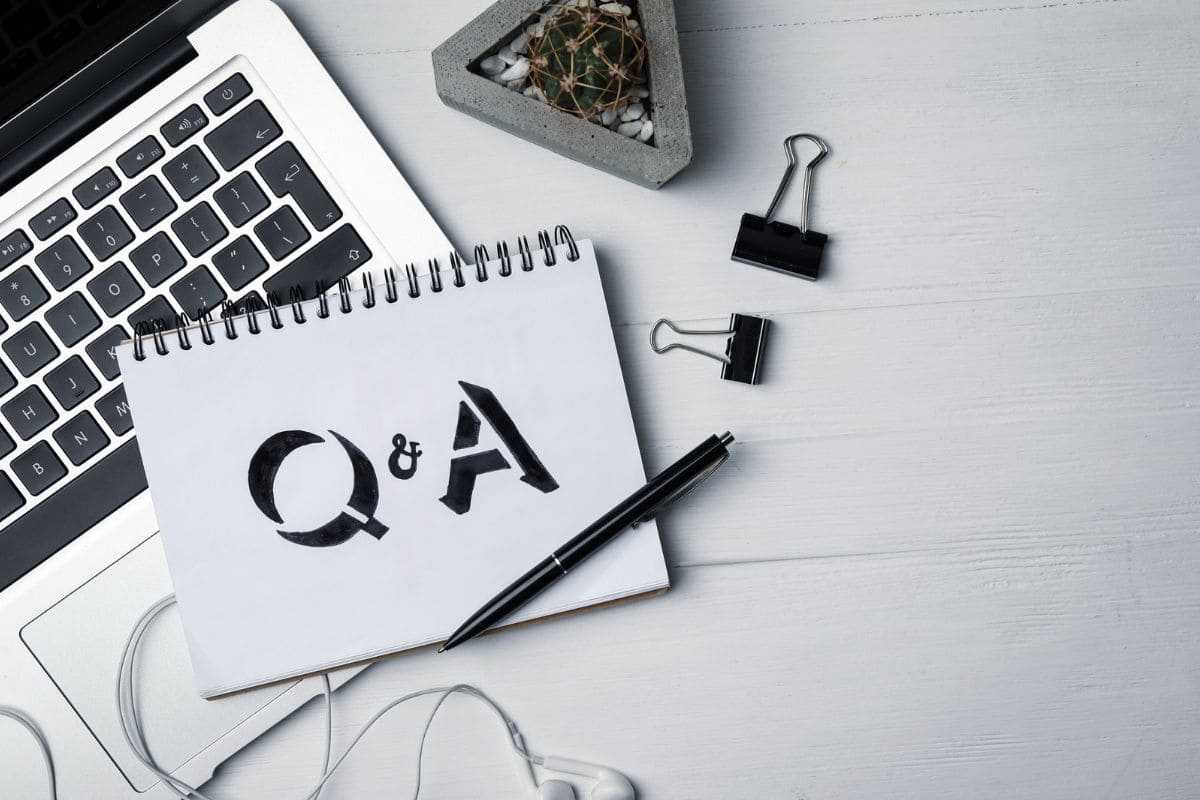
(956, 553)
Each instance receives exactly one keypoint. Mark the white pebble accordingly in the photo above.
(518, 44)
(632, 112)
(535, 93)
(517, 71)
(608, 117)
(617, 8)
(507, 56)
(642, 92)
(647, 131)
(492, 65)
(635, 26)
(630, 128)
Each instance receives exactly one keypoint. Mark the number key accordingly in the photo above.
(105, 233)
(115, 289)
(72, 319)
(21, 294)
(63, 263)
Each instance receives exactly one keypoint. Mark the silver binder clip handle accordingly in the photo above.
(808, 177)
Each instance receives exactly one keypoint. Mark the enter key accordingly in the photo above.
(287, 173)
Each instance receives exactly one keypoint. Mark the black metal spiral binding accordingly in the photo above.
(158, 332)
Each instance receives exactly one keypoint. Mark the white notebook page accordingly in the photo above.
(258, 605)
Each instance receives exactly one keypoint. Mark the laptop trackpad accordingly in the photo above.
(79, 642)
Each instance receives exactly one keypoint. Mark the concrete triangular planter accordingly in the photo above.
(650, 164)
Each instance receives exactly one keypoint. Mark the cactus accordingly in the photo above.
(585, 60)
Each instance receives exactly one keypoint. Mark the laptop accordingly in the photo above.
(159, 160)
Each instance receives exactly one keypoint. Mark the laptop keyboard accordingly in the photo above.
(210, 205)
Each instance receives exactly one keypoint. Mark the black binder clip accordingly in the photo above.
(743, 357)
(792, 250)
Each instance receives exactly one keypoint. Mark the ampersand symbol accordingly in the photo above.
(400, 442)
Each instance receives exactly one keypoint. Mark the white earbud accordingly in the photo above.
(548, 790)
(610, 784)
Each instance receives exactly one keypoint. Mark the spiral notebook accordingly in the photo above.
(346, 478)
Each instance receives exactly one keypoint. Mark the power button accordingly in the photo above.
(228, 94)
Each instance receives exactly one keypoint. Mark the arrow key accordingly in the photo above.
(287, 173)
(53, 219)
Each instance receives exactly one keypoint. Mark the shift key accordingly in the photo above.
(339, 254)
(287, 173)
(243, 135)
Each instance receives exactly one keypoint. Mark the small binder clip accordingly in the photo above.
(763, 242)
(742, 361)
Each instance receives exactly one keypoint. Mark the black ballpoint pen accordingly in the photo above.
(670, 485)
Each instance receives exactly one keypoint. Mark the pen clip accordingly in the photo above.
(684, 490)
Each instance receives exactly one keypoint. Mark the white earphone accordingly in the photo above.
(610, 784)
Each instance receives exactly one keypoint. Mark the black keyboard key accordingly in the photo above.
(244, 305)
(190, 173)
(157, 259)
(38, 468)
(71, 383)
(184, 126)
(12, 247)
(115, 410)
(241, 200)
(138, 158)
(199, 229)
(243, 135)
(106, 233)
(103, 352)
(287, 173)
(29, 413)
(72, 319)
(115, 289)
(10, 497)
(228, 94)
(197, 293)
(60, 214)
(282, 233)
(74, 507)
(239, 262)
(81, 438)
(7, 445)
(7, 382)
(30, 349)
(21, 294)
(342, 252)
(158, 310)
(96, 188)
(148, 203)
(63, 263)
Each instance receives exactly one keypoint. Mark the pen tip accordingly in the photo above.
(442, 649)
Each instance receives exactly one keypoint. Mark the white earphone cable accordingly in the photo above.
(131, 724)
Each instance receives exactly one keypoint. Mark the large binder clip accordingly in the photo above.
(763, 242)
(743, 357)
